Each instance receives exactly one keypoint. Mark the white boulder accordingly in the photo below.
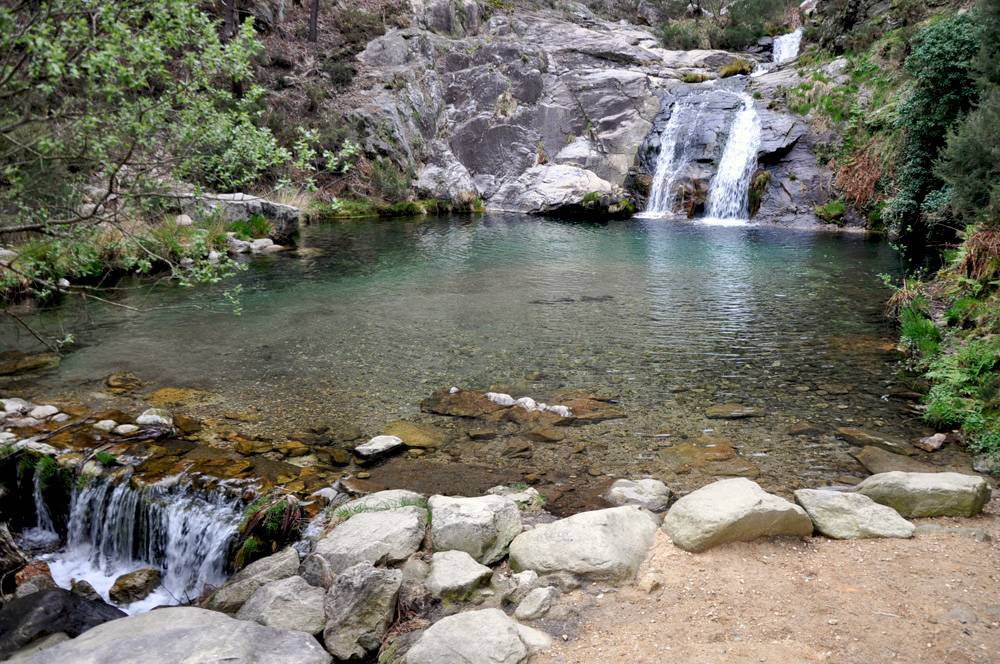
(483, 526)
(842, 515)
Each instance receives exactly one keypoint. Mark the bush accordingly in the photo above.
(680, 35)
(389, 181)
(735, 67)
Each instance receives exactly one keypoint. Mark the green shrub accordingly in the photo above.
(256, 226)
(389, 181)
(680, 35)
(917, 331)
(106, 458)
(832, 212)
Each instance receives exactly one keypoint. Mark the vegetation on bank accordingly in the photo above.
(724, 24)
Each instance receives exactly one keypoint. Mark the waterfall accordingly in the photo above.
(786, 47)
(115, 528)
(728, 194)
(44, 533)
(669, 163)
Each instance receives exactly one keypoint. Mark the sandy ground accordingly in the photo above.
(934, 598)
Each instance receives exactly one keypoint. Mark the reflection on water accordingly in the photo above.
(370, 317)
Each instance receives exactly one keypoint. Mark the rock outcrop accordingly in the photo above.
(184, 634)
(928, 494)
(603, 545)
(733, 510)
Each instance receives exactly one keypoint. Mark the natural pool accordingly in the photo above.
(670, 317)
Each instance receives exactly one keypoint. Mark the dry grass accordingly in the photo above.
(981, 254)
(859, 177)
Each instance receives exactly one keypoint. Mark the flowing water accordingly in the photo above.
(673, 157)
(786, 47)
(728, 195)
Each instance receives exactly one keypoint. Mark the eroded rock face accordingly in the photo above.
(359, 607)
(851, 515)
(487, 636)
(286, 604)
(375, 537)
(483, 527)
(231, 596)
(185, 634)
(605, 545)
(928, 494)
(733, 510)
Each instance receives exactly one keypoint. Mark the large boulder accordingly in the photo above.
(376, 537)
(359, 607)
(649, 493)
(557, 188)
(733, 510)
(843, 515)
(454, 574)
(286, 604)
(231, 596)
(185, 634)
(135, 585)
(483, 526)
(487, 636)
(605, 545)
(381, 501)
(28, 618)
(928, 494)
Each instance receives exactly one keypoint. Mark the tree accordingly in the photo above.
(314, 21)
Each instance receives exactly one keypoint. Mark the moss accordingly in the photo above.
(757, 188)
(692, 77)
(832, 212)
(738, 66)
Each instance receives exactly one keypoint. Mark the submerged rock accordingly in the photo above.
(878, 460)
(155, 417)
(286, 604)
(843, 515)
(376, 537)
(135, 585)
(231, 596)
(732, 411)
(733, 510)
(423, 436)
(14, 362)
(359, 607)
(602, 545)
(483, 526)
(649, 493)
(486, 636)
(49, 611)
(185, 634)
(863, 438)
(928, 494)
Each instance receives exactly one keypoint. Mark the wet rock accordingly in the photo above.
(648, 493)
(851, 515)
(316, 571)
(126, 429)
(932, 443)
(804, 429)
(878, 460)
(135, 585)
(423, 436)
(454, 574)
(732, 411)
(231, 596)
(33, 577)
(359, 607)
(290, 603)
(463, 403)
(928, 494)
(155, 417)
(378, 447)
(733, 510)
(604, 545)
(83, 588)
(25, 619)
(864, 438)
(121, 382)
(483, 526)
(375, 537)
(498, 640)
(14, 362)
(185, 634)
(536, 603)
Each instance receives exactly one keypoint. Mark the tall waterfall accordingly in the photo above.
(673, 157)
(728, 195)
(786, 47)
(115, 528)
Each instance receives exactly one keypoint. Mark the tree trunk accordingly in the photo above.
(313, 21)
(230, 24)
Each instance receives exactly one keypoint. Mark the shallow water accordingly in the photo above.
(368, 318)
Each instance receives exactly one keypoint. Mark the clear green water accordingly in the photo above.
(368, 318)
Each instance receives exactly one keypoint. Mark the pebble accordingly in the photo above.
(105, 425)
(43, 412)
(125, 429)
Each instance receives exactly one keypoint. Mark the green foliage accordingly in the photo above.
(680, 36)
(269, 523)
(106, 458)
(917, 331)
(832, 212)
(746, 21)
(256, 226)
(120, 94)
(389, 181)
(591, 198)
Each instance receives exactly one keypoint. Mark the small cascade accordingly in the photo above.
(786, 47)
(728, 195)
(115, 527)
(673, 157)
(44, 533)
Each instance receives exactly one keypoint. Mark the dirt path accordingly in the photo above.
(935, 598)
